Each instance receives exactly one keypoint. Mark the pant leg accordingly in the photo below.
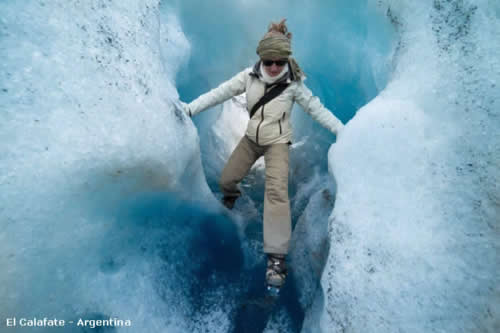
(277, 218)
(237, 167)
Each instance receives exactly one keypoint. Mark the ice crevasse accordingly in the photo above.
(88, 120)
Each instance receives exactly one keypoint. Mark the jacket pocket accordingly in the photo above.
(279, 122)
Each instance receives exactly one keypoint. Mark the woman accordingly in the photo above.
(269, 133)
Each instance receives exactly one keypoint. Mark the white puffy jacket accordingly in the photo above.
(271, 123)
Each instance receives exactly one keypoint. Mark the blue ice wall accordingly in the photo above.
(94, 159)
(415, 229)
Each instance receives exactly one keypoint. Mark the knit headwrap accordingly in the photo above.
(276, 44)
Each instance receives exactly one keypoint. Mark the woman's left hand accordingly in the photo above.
(339, 131)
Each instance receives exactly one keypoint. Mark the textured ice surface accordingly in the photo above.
(310, 243)
(87, 128)
(414, 234)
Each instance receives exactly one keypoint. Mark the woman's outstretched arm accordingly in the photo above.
(232, 87)
(318, 112)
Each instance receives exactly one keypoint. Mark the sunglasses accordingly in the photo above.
(278, 63)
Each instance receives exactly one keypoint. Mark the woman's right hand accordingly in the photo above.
(185, 108)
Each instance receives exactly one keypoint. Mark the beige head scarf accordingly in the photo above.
(276, 44)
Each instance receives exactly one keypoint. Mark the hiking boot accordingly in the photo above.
(229, 202)
(276, 271)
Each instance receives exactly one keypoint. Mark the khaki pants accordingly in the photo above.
(277, 220)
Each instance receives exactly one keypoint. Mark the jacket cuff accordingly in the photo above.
(339, 128)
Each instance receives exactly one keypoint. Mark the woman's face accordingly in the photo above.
(273, 66)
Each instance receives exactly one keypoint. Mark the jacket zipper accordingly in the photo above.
(262, 118)
(279, 122)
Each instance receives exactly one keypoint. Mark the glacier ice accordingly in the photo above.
(106, 187)
(88, 128)
(414, 233)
